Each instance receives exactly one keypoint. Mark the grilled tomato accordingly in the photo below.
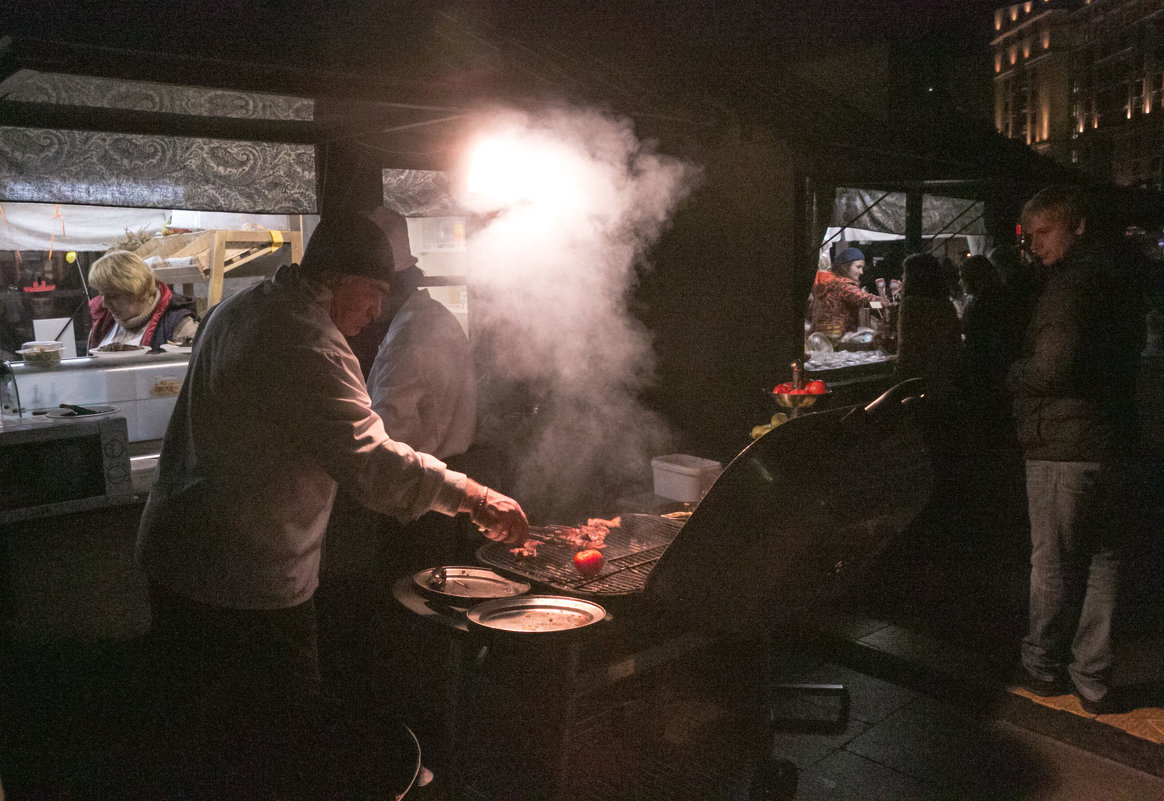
(589, 562)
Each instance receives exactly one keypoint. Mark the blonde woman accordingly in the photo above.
(134, 307)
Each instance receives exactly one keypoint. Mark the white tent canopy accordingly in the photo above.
(976, 244)
(45, 226)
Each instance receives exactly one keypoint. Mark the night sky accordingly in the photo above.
(690, 38)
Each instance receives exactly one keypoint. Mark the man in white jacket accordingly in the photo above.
(272, 417)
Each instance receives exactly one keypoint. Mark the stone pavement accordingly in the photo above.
(947, 619)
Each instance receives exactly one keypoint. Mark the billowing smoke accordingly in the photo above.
(564, 361)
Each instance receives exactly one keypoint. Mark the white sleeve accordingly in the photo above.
(398, 387)
(339, 427)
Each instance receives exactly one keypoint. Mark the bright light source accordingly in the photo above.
(495, 169)
(512, 171)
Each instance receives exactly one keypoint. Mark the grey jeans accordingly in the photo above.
(1076, 551)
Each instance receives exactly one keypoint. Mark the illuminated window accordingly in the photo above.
(1013, 54)
(1014, 13)
(998, 20)
(1026, 8)
(998, 62)
(1046, 39)
(1027, 49)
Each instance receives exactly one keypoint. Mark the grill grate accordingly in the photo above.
(631, 552)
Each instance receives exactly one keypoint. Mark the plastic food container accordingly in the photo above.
(41, 354)
(681, 477)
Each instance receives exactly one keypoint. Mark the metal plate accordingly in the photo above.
(467, 584)
(535, 614)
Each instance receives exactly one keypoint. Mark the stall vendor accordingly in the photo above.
(836, 296)
(134, 307)
(272, 417)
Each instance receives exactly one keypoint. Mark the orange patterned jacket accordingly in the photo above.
(836, 301)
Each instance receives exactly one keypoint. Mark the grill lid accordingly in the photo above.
(793, 510)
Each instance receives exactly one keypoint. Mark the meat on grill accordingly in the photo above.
(591, 534)
(528, 548)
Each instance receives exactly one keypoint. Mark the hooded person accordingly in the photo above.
(422, 381)
(837, 297)
(272, 417)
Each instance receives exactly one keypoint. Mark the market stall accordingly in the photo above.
(876, 223)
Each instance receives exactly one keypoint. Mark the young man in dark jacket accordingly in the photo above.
(1075, 415)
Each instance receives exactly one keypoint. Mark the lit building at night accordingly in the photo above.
(1082, 81)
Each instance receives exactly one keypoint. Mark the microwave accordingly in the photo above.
(57, 466)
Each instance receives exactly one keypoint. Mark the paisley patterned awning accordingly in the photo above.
(154, 171)
(30, 86)
(419, 193)
(104, 169)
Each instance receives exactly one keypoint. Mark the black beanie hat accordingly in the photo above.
(353, 245)
(849, 255)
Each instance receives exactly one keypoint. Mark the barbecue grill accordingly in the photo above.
(791, 517)
(794, 514)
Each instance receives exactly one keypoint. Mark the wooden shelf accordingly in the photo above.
(215, 253)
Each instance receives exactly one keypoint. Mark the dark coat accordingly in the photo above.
(1074, 385)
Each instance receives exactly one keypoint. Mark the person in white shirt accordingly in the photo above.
(273, 415)
(422, 382)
